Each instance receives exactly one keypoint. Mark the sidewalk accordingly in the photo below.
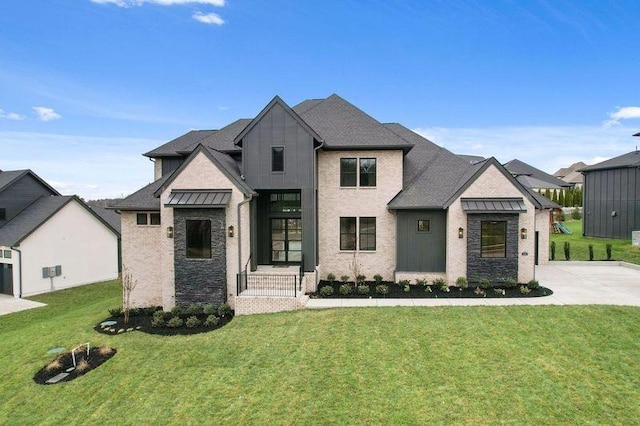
(10, 304)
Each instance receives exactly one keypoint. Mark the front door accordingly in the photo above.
(286, 240)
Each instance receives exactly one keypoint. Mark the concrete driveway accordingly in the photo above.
(9, 304)
(591, 283)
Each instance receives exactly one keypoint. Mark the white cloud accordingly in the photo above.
(11, 115)
(208, 18)
(46, 114)
(546, 147)
(623, 113)
(129, 3)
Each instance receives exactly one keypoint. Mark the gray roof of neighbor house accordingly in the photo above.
(30, 219)
(534, 178)
(142, 199)
(343, 126)
(565, 171)
(631, 159)
(8, 177)
(101, 208)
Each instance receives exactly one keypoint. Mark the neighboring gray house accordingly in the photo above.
(534, 178)
(611, 198)
(257, 212)
(571, 174)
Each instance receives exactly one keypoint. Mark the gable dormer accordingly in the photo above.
(19, 189)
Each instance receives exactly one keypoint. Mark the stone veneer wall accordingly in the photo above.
(335, 202)
(497, 268)
(200, 280)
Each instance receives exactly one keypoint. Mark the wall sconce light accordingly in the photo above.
(231, 231)
(460, 233)
(169, 231)
(523, 234)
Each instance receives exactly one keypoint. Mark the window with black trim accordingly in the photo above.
(3, 214)
(348, 171)
(142, 219)
(367, 233)
(493, 237)
(424, 225)
(277, 159)
(148, 219)
(367, 172)
(7, 254)
(154, 218)
(198, 242)
(347, 233)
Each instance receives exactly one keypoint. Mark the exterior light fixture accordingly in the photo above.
(523, 234)
(230, 231)
(460, 233)
(169, 231)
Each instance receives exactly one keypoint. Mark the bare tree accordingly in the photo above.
(128, 285)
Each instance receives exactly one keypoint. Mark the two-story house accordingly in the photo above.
(314, 189)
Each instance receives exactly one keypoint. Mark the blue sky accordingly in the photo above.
(87, 86)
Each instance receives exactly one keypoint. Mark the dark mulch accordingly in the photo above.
(95, 358)
(142, 322)
(419, 292)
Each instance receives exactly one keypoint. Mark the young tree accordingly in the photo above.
(547, 193)
(128, 285)
(561, 198)
(554, 197)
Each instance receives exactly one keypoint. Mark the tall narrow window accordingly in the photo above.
(367, 172)
(367, 233)
(277, 159)
(347, 233)
(348, 171)
(3, 214)
(493, 239)
(199, 239)
(155, 218)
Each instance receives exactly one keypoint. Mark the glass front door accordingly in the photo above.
(286, 240)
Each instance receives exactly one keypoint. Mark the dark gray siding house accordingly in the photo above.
(612, 197)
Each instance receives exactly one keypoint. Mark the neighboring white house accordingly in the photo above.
(49, 241)
(257, 212)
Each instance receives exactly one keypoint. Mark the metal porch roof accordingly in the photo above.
(493, 205)
(199, 199)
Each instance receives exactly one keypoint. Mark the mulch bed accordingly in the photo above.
(95, 358)
(419, 292)
(142, 322)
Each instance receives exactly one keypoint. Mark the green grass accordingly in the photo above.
(621, 249)
(470, 365)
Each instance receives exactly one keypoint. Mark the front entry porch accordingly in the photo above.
(271, 281)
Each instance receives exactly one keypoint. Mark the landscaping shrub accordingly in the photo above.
(441, 284)
(567, 250)
(345, 289)
(331, 278)
(524, 289)
(360, 278)
(407, 288)
(553, 250)
(158, 315)
(175, 322)
(224, 310)
(193, 309)
(421, 282)
(609, 248)
(576, 215)
(157, 321)
(484, 283)
(211, 321)
(377, 278)
(134, 312)
(462, 282)
(363, 289)
(382, 289)
(209, 309)
(192, 322)
(510, 283)
(402, 283)
(326, 291)
(533, 284)
(176, 310)
(428, 289)
(344, 278)
(590, 251)
(115, 312)
(150, 310)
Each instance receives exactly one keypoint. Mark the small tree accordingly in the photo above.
(561, 198)
(128, 285)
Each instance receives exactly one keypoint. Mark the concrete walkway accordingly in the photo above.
(573, 283)
(10, 304)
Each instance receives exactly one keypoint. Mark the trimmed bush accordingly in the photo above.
(533, 284)
(462, 282)
(224, 310)
(360, 278)
(175, 322)
(382, 289)
(576, 215)
(344, 278)
(590, 251)
(192, 322)
(402, 283)
(609, 249)
(567, 250)
(158, 315)
(157, 321)
(331, 278)
(421, 282)
(524, 289)
(363, 289)
(510, 283)
(115, 312)
(211, 321)
(553, 250)
(377, 278)
(407, 288)
(176, 310)
(484, 283)
(209, 309)
(345, 289)
(193, 309)
(326, 291)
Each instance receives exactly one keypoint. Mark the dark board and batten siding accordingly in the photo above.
(421, 251)
(20, 195)
(608, 191)
(278, 128)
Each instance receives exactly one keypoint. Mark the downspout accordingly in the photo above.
(315, 197)
(240, 204)
(20, 274)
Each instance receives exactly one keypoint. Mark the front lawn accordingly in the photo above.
(515, 364)
(621, 249)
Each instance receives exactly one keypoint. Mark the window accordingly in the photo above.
(7, 254)
(285, 202)
(348, 172)
(424, 225)
(367, 172)
(141, 219)
(493, 239)
(347, 233)
(198, 239)
(277, 159)
(148, 218)
(3, 214)
(367, 233)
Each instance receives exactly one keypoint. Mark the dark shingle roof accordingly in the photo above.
(180, 143)
(108, 215)
(631, 159)
(143, 199)
(7, 178)
(519, 168)
(472, 159)
(343, 126)
(544, 202)
(222, 140)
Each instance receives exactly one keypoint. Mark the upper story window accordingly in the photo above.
(367, 172)
(357, 172)
(285, 202)
(277, 159)
(148, 218)
(493, 235)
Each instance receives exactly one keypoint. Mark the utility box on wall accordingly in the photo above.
(51, 271)
(635, 238)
